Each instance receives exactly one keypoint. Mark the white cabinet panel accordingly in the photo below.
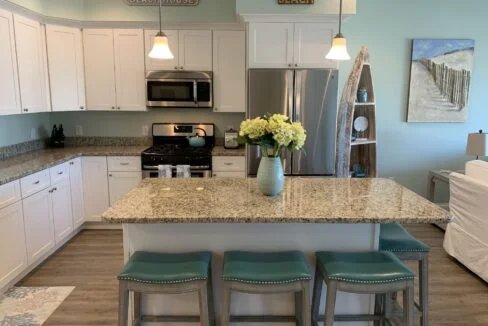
(65, 59)
(76, 179)
(95, 187)
(99, 69)
(129, 69)
(38, 222)
(229, 67)
(34, 183)
(61, 210)
(13, 254)
(270, 45)
(312, 42)
(195, 49)
(124, 163)
(9, 193)
(9, 79)
(31, 64)
(156, 64)
(228, 163)
(120, 183)
(234, 174)
(59, 173)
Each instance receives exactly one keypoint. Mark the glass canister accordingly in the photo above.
(362, 95)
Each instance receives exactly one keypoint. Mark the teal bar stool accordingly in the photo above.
(361, 272)
(166, 273)
(263, 273)
(394, 238)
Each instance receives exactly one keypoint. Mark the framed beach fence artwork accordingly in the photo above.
(440, 78)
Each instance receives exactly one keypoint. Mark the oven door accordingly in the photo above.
(196, 172)
(171, 93)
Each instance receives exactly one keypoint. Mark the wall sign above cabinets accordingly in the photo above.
(165, 2)
(296, 2)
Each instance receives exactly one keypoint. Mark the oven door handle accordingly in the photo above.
(195, 91)
(173, 167)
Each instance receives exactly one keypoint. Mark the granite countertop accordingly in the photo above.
(303, 200)
(20, 166)
(221, 151)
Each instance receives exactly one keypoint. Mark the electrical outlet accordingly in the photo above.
(145, 131)
(34, 135)
(79, 130)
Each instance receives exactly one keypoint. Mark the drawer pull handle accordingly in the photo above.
(71, 163)
(228, 164)
(37, 182)
(60, 172)
(124, 164)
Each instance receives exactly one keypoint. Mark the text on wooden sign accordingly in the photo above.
(164, 2)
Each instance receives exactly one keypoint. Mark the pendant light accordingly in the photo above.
(161, 48)
(338, 51)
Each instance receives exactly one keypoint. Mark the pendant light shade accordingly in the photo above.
(160, 49)
(338, 51)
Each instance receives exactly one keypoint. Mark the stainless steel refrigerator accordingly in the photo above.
(306, 95)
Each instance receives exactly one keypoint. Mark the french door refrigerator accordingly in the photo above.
(305, 95)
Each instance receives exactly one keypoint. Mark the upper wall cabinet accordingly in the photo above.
(290, 45)
(192, 50)
(31, 59)
(229, 67)
(65, 59)
(114, 69)
(9, 80)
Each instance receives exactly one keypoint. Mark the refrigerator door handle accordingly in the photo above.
(298, 97)
(291, 93)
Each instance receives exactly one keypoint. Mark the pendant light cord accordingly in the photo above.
(340, 17)
(160, 16)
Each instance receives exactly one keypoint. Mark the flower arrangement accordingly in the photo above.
(273, 134)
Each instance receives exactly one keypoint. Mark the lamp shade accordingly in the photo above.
(477, 144)
(338, 50)
(161, 48)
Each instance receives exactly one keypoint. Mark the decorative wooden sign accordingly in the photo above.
(296, 2)
(164, 3)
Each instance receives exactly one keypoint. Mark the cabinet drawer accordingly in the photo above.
(59, 173)
(34, 183)
(9, 193)
(232, 174)
(124, 163)
(228, 163)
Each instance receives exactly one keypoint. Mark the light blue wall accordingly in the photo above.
(407, 151)
(17, 128)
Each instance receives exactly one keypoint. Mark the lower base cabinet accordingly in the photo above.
(38, 222)
(13, 254)
(120, 183)
(76, 179)
(95, 187)
(61, 210)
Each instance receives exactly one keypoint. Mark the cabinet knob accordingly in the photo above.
(71, 163)
(110, 175)
(37, 182)
(181, 68)
(113, 107)
(176, 68)
(118, 108)
(60, 173)
(296, 65)
(216, 109)
(82, 107)
(26, 110)
(290, 65)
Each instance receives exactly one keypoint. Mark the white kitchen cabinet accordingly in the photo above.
(10, 193)
(158, 64)
(61, 210)
(13, 254)
(120, 183)
(31, 64)
(312, 42)
(9, 79)
(65, 59)
(271, 45)
(229, 174)
(76, 179)
(229, 67)
(39, 231)
(229, 166)
(129, 69)
(99, 69)
(192, 50)
(95, 187)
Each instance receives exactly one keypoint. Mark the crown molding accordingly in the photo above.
(291, 18)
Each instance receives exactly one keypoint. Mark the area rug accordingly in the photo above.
(28, 306)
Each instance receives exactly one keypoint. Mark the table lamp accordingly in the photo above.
(477, 144)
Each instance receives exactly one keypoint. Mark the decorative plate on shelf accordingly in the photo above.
(361, 124)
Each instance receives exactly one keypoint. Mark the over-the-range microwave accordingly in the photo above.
(179, 89)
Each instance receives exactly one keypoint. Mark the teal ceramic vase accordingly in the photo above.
(270, 176)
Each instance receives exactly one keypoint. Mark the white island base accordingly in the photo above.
(218, 238)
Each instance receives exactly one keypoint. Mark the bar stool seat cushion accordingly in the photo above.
(363, 267)
(166, 268)
(394, 237)
(265, 268)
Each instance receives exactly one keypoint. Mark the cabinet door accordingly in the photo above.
(99, 69)
(9, 79)
(270, 45)
(120, 183)
(129, 69)
(95, 187)
(38, 222)
(61, 210)
(76, 179)
(31, 64)
(195, 50)
(311, 45)
(229, 67)
(156, 64)
(65, 60)
(13, 253)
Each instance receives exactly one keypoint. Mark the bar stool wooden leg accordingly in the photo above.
(330, 301)
(306, 313)
(317, 293)
(298, 308)
(210, 304)
(424, 289)
(225, 313)
(203, 300)
(137, 309)
(123, 304)
(408, 305)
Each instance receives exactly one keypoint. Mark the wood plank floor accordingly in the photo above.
(93, 258)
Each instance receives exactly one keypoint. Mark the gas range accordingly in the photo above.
(171, 147)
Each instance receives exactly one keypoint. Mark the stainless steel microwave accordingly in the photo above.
(179, 89)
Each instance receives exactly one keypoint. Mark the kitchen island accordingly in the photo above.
(311, 214)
